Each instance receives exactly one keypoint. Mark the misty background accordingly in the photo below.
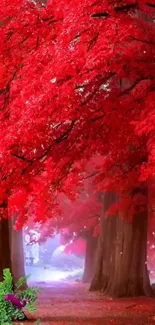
(48, 261)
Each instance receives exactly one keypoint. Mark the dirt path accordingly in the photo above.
(72, 304)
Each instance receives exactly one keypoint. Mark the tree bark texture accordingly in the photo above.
(121, 269)
(5, 251)
(91, 246)
(17, 252)
(11, 250)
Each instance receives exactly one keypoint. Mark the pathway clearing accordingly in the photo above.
(70, 303)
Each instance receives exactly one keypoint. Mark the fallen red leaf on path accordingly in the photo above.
(73, 304)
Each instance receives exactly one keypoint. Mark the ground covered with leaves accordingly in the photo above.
(72, 304)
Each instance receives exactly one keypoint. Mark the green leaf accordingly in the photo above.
(7, 281)
(30, 308)
(21, 281)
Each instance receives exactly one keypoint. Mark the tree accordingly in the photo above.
(11, 249)
(5, 252)
(151, 231)
(90, 258)
(17, 251)
(122, 258)
(77, 89)
(77, 221)
(84, 223)
(123, 79)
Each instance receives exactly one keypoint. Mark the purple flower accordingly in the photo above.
(15, 300)
(23, 303)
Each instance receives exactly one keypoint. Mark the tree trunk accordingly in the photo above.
(17, 253)
(11, 250)
(5, 252)
(91, 245)
(121, 269)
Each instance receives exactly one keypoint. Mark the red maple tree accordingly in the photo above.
(87, 90)
(77, 80)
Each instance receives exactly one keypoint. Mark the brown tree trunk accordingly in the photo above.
(5, 251)
(17, 252)
(121, 269)
(91, 245)
(11, 250)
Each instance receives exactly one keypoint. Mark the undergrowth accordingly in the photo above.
(14, 301)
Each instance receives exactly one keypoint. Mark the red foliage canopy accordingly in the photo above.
(75, 219)
(77, 79)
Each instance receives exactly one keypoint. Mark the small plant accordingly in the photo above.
(13, 299)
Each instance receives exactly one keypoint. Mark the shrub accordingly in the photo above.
(13, 299)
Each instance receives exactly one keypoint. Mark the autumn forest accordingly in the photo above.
(77, 149)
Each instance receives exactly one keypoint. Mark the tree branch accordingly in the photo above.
(150, 4)
(126, 7)
(92, 175)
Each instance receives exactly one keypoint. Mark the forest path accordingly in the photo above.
(70, 303)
